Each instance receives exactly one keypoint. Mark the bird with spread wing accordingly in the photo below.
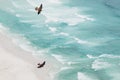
(39, 9)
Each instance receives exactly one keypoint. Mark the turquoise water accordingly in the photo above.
(83, 35)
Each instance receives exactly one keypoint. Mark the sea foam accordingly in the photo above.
(83, 76)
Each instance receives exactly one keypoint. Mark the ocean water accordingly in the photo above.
(83, 35)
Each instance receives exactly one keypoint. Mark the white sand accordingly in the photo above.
(13, 68)
(17, 64)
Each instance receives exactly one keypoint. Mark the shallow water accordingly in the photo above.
(83, 35)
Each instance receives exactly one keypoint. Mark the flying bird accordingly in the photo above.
(41, 65)
(39, 9)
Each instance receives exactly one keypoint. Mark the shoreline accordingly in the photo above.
(18, 64)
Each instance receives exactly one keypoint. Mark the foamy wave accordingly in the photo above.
(109, 56)
(72, 62)
(103, 61)
(3, 29)
(21, 41)
(15, 38)
(29, 21)
(70, 15)
(99, 64)
(18, 15)
(59, 58)
(103, 56)
(79, 41)
(64, 34)
(64, 60)
(85, 17)
(82, 76)
(90, 56)
(52, 29)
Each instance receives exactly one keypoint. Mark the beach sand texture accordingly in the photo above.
(17, 64)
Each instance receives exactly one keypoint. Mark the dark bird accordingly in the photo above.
(39, 9)
(41, 65)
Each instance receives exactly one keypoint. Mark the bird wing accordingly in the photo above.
(40, 7)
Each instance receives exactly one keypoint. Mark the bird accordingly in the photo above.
(39, 9)
(41, 65)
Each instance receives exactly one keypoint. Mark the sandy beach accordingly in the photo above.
(17, 64)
